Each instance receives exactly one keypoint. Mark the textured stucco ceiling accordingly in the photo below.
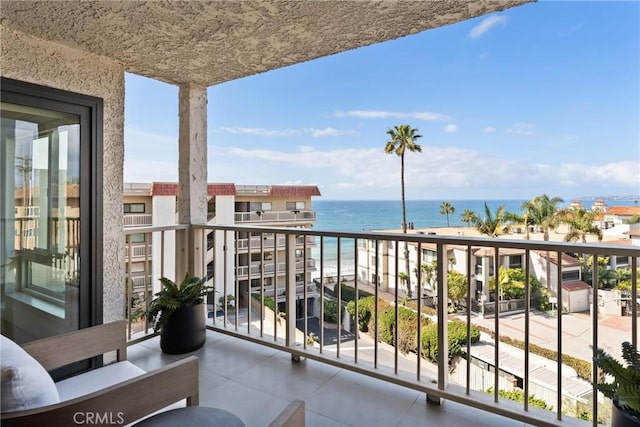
(212, 42)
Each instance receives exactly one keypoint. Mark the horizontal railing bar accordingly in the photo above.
(587, 248)
(152, 229)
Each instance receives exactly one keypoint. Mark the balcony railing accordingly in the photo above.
(268, 242)
(270, 267)
(136, 220)
(137, 251)
(275, 216)
(421, 357)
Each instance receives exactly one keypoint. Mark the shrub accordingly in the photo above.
(457, 334)
(330, 311)
(268, 301)
(518, 396)
(407, 328)
(365, 311)
(348, 293)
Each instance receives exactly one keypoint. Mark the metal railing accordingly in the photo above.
(275, 216)
(137, 220)
(450, 372)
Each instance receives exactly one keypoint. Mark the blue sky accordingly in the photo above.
(542, 98)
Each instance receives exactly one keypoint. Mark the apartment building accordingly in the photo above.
(260, 258)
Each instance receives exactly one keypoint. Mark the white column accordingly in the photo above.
(192, 164)
(163, 210)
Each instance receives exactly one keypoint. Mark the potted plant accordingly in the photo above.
(624, 391)
(179, 314)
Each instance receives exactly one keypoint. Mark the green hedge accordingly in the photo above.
(365, 311)
(268, 301)
(348, 293)
(407, 327)
(330, 311)
(457, 332)
(518, 396)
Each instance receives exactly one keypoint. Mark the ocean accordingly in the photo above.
(355, 216)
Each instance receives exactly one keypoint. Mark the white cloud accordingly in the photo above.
(450, 128)
(521, 129)
(316, 133)
(261, 131)
(489, 129)
(377, 114)
(437, 172)
(486, 24)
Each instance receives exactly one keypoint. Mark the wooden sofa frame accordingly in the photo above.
(122, 403)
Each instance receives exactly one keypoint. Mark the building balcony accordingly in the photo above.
(275, 216)
(351, 377)
(269, 267)
(137, 220)
(256, 243)
(256, 382)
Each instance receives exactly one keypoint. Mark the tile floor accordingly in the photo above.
(257, 383)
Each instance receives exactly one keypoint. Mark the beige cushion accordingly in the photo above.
(97, 379)
(25, 383)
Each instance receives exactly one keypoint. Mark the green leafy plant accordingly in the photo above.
(624, 391)
(191, 291)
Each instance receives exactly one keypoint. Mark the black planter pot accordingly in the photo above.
(185, 331)
(620, 418)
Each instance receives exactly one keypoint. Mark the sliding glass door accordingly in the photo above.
(50, 253)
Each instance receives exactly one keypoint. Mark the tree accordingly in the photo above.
(447, 208)
(493, 225)
(511, 283)
(580, 222)
(543, 211)
(469, 217)
(429, 276)
(456, 286)
(403, 138)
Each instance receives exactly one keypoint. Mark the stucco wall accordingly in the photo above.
(45, 63)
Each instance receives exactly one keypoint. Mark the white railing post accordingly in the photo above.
(290, 283)
(443, 321)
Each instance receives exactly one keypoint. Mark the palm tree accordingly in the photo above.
(580, 222)
(447, 208)
(403, 138)
(469, 217)
(492, 225)
(543, 211)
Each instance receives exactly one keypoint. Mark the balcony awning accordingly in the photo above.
(209, 42)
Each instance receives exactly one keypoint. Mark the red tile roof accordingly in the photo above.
(623, 210)
(171, 189)
(221, 189)
(164, 189)
(575, 286)
(294, 190)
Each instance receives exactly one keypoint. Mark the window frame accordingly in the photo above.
(90, 112)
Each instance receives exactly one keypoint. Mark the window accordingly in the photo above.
(570, 276)
(515, 261)
(260, 206)
(295, 206)
(134, 208)
(622, 260)
(51, 207)
(137, 238)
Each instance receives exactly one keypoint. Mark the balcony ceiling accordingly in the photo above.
(209, 42)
